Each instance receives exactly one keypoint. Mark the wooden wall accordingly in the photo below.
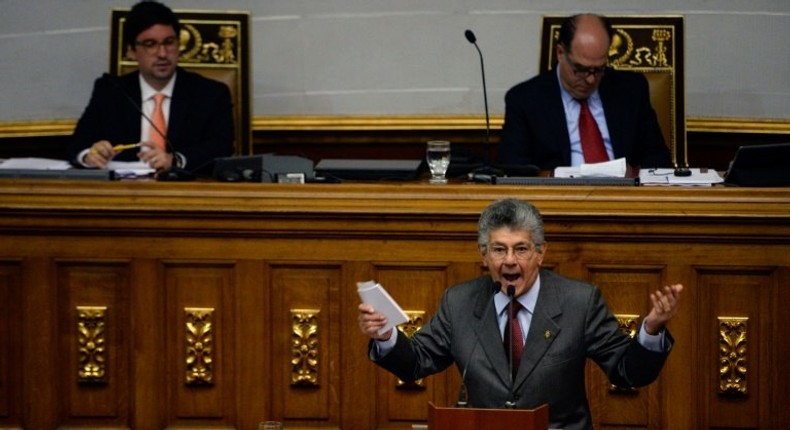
(150, 305)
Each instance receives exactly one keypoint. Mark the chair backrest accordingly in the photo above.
(212, 43)
(653, 46)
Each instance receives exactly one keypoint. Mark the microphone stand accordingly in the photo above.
(463, 396)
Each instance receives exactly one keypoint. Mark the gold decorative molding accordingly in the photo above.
(415, 322)
(199, 346)
(629, 325)
(733, 369)
(304, 347)
(91, 344)
(64, 127)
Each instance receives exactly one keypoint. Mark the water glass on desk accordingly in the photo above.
(438, 156)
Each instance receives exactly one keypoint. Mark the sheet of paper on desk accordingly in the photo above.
(609, 169)
(372, 293)
(35, 163)
(130, 168)
(699, 177)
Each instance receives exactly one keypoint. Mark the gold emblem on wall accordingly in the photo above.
(304, 347)
(91, 344)
(415, 322)
(732, 355)
(199, 346)
(629, 325)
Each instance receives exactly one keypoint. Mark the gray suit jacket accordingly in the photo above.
(571, 323)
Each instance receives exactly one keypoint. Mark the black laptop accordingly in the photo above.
(363, 169)
(760, 166)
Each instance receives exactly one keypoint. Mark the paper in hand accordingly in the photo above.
(372, 293)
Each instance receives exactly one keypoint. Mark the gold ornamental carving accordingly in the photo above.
(733, 362)
(629, 325)
(91, 344)
(415, 322)
(199, 346)
(211, 43)
(304, 347)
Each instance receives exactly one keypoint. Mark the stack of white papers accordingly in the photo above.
(699, 177)
(372, 293)
(609, 169)
(35, 164)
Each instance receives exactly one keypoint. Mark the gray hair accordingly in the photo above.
(514, 214)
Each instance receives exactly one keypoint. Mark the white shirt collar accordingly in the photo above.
(147, 91)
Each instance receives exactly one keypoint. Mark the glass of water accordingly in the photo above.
(438, 156)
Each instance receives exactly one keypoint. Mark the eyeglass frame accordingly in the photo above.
(520, 252)
(151, 46)
(585, 72)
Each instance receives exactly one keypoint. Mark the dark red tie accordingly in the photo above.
(592, 141)
(514, 334)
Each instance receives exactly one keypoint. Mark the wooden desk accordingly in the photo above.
(140, 268)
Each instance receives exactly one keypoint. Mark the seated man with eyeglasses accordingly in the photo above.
(554, 325)
(176, 118)
(582, 111)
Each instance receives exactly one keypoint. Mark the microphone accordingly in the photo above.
(463, 396)
(172, 174)
(510, 403)
(470, 36)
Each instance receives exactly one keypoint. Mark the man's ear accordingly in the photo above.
(131, 53)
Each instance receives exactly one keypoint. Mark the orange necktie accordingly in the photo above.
(592, 141)
(159, 129)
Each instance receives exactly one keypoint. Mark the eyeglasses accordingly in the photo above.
(520, 252)
(151, 46)
(585, 72)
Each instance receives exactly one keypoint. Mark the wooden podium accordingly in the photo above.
(489, 419)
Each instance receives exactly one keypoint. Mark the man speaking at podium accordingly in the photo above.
(161, 114)
(533, 352)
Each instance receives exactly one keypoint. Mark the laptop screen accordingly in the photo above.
(760, 166)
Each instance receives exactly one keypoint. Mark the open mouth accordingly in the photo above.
(511, 277)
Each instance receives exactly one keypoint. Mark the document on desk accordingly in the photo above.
(127, 169)
(666, 177)
(35, 163)
(609, 169)
(372, 293)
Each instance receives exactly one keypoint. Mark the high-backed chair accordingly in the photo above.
(212, 43)
(653, 46)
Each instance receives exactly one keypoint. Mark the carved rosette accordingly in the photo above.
(199, 346)
(415, 322)
(91, 341)
(304, 347)
(732, 355)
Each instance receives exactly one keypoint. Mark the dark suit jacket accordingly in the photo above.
(535, 129)
(570, 324)
(200, 125)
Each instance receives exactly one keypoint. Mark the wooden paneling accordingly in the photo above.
(258, 257)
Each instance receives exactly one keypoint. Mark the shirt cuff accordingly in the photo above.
(383, 347)
(651, 342)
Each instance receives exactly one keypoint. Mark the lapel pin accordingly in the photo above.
(547, 334)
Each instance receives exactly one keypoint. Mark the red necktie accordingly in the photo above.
(592, 141)
(513, 333)
(159, 122)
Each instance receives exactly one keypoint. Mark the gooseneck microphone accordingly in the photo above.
(511, 293)
(470, 36)
(174, 173)
(463, 396)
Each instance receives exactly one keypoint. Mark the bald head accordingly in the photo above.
(582, 53)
